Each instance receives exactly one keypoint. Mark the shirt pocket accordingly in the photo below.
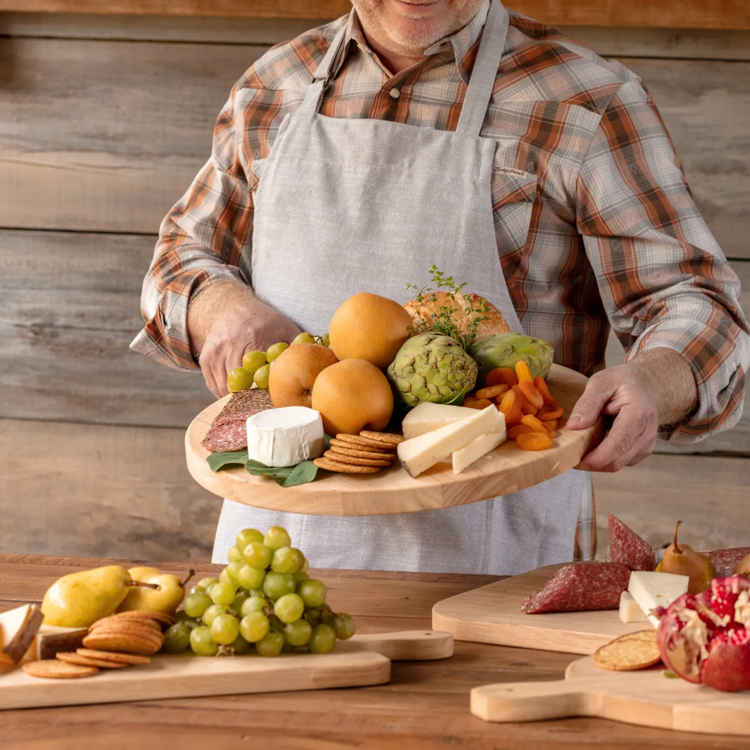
(513, 195)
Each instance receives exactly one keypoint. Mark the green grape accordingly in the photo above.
(224, 629)
(258, 592)
(287, 648)
(254, 604)
(271, 644)
(312, 591)
(185, 618)
(326, 615)
(253, 361)
(289, 608)
(303, 338)
(197, 590)
(322, 640)
(246, 536)
(225, 578)
(235, 555)
(254, 626)
(312, 616)
(206, 582)
(276, 537)
(202, 643)
(278, 584)
(239, 600)
(275, 350)
(305, 566)
(239, 645)
(233, 569)
(344, 626)
(298, 633)
(213, 612)
(287, 560)
(257, 555)
(197, 604)
(300, 575)
(176, 638)
(239, 379)
(251, 578)
(211, 588)
(223, 593)
(325, 340)
(261, 377)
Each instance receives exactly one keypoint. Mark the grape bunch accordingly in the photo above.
(264, 599)
(256, 365)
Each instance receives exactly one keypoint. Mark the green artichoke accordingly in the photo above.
(505, 349)
(432, 367)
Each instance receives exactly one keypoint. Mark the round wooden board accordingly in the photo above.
(506, 469)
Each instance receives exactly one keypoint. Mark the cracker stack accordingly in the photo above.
(366, 453)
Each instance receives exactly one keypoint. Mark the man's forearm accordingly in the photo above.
(672, 381)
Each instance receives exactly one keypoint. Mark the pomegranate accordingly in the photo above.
(705, 638)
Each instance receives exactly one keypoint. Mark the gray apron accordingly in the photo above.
(346, 206)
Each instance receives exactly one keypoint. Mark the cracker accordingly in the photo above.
(53, 669)
(126, 626)
(114, 656)
(358, 443)
(123, 642)
(344, 458)
(352, 451)
(328, 465)
(389, 438)
(86, 661)
(629, 652)
(163, 618)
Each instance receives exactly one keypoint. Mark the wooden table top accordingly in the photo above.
(426, 704)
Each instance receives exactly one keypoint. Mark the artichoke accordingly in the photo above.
(432, 367)
(505, 349)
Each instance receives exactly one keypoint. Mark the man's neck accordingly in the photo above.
(392, 61)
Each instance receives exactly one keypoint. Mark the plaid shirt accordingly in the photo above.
(611, 235)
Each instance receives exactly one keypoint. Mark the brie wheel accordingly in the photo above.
(286, 436)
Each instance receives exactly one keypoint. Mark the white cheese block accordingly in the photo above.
(286, 436)
(630, 610)
(420, 453)
(53, 638)
(653, 590)
(477, 448)
(426, 417)
(10, 623)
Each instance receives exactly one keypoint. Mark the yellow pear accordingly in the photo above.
(164, 593)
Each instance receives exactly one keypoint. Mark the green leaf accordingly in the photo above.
(327, 440)
(285, 476)
(218, 461)
(303, 472)
(458, 400)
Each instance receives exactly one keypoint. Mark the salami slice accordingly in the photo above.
(230, 436)
(627, 548)
(578, 587)
(724, 560)
(228, 431)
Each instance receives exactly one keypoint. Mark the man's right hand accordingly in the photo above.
(225, 321)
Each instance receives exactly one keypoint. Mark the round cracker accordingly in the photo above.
(355, 453)
(71, 657)
(122, 642)
(126, 626)
(354, 442)
(114, 656)
(328, 465)
(163, 618)
(390, 438)
(629, 652)
(53, 669)
(344, 458)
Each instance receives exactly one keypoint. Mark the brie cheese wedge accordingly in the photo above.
(286, 436)
(652, 590)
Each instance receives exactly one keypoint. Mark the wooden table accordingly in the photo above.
(426, 704)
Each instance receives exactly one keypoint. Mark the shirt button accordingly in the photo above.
(395, 93)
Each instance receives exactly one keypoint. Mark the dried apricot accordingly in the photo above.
(549, 411)
(523, 372)
(536, 424)
(499, 375)
(510, 406)
(472, 402)
(531, 394)
(534, 441)
(519, 429)
(541, 386)
(492, 391)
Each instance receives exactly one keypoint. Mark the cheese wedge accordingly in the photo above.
(652, 590)
(52, 638)
(630, 610)
(426, 417)
(10, 625)
(286, 436)
(420, 453)
(477, 448)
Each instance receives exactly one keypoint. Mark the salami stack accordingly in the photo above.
(228, 431)
(724, 560)
(627, 548)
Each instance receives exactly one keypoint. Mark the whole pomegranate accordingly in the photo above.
(705, 638)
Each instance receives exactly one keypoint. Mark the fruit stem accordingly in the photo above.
(144, 584)
(675, 547)
(190, 574)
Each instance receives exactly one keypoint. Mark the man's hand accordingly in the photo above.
(227, 320)
(656, 388)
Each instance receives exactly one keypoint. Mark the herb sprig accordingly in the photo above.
(441, 320)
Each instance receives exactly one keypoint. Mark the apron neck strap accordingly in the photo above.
(322, 75)
(484, 73)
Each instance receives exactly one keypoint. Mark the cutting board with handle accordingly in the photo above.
(492, 614)
(363, 660)
(645, 697)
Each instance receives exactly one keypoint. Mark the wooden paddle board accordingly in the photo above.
(364, 660)
(502, 471)
(492, 614)
(646, 697)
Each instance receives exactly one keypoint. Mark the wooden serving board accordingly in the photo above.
(364, 660)
(646, 697)
(506, 469)
(492, 614)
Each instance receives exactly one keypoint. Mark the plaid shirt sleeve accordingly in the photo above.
(662, 277)
(201, 241)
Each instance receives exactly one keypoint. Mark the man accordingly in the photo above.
(454, 132)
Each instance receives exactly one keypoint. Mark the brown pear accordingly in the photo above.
(683, 560)
(743, 567)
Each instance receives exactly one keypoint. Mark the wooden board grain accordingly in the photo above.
(492, 614)
(645, 697)
(502, 471)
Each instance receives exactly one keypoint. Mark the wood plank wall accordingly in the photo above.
(104, 120)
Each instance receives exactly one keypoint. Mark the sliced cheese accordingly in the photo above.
(652, 590)
(477, 448)
(426, 417)
(10, 624)
(630, 610)
(52, 638)
(420, 453)
(286, 436)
